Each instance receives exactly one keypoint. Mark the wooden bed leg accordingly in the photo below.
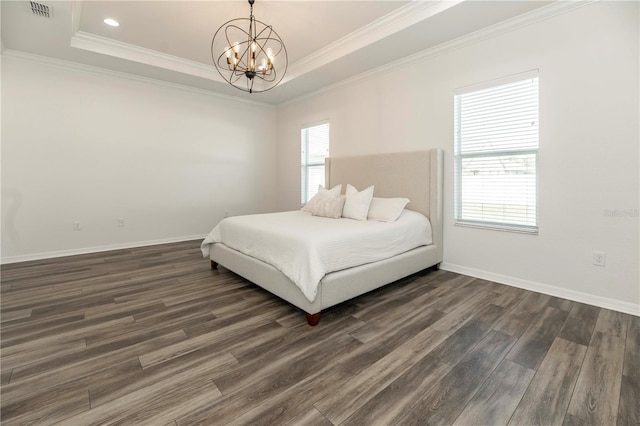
(214, 265)
(436, 267)
(313, 319)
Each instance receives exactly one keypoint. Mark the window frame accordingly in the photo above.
(304, 146)
(459, 157)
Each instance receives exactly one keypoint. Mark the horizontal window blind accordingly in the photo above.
(314, 149)
(496, 155)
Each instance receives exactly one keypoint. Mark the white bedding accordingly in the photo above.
(305, 248)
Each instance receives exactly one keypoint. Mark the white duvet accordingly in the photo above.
(305, 248)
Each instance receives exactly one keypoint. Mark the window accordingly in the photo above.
(496, 154)
(314, 149)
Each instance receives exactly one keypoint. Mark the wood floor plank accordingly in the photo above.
(29, 326)
(546, 400)
(9, 316)
(629, 409)
(211, 365)
(447, 399)
(378, 348)
(510, 297)
(107, 390)
(595, 398)
(145, 329)
(5, 376)
(150, 405)
(300, 359)
(632, 348)
(612, 322)
(356, 392)
(265, 382)
(284, 406)
(21, 403)
(71, 330)
(456, 346)
(559, 303)
(580, 324)
(570, 420)
(533, 345)
(50, 408)
(497, 399)
(309, 417)
(452, 294)
(463, 312)
(379, 324)
(194, 343)
(388, 406)
(521, 316)
(20, 356)
(46, 378)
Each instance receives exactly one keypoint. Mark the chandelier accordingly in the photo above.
(244, 52)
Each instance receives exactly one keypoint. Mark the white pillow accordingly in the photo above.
(328, 207)
(386, 209)
(322, 192)
(357, 203)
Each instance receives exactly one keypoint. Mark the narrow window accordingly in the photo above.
(496, 154)
(314, 149)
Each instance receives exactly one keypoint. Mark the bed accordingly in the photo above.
(414, 175)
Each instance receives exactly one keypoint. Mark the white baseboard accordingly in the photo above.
(577, 296)
(96, 249)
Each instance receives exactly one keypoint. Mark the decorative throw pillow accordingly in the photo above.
(386, 209)
(322, 192)
(357, 203)
(328, 207)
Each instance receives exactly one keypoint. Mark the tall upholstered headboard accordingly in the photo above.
(417, 176)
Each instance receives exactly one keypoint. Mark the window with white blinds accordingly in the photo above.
(314, 149)
(496, 154)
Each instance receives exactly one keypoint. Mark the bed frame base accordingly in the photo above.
(335, 287)
(214, 264)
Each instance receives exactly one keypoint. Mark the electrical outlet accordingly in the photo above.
(76, 226)
(121, 222)
(599, 258)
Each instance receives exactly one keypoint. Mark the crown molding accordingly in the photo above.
(398, 20)
(515, 23)
(69, 65)
(385, 26)
(107, 46)
(76, 14)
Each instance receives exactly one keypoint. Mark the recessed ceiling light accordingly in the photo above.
(112, 22)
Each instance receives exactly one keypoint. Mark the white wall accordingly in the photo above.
(588, 61)
(81, 144)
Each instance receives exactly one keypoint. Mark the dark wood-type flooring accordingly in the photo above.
(154, 336)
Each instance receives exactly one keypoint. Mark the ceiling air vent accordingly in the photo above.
(40, 9)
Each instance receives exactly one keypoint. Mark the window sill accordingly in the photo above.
(497, 227)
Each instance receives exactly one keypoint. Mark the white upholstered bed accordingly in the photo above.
(414, 175)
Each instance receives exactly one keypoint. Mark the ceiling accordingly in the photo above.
(326, 41)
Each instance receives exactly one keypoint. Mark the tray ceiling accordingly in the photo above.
(327, 41)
